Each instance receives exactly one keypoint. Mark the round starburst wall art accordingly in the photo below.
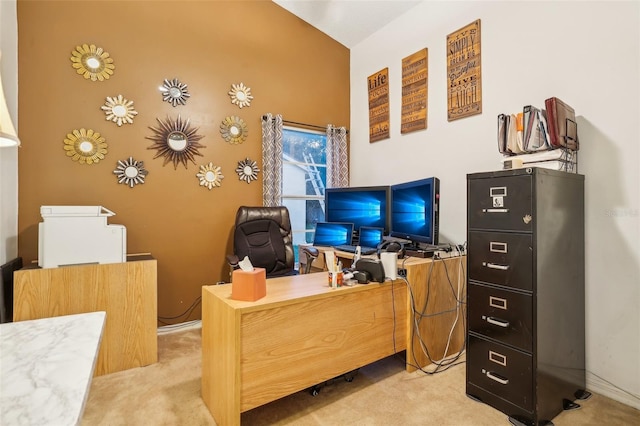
(119, 110)
(210, 176)
(92, 62)
(176, 141)
(85, 146)
(233, 130)
(240, 95)
(130, 172)
(174, 92)
(247, 170)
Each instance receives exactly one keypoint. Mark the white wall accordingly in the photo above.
(9, 156)
(585, 53)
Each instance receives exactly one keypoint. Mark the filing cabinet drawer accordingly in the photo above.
(503, 371)
(501, 258)
(501, 203)
(501, 315)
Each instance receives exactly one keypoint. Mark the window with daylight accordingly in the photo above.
(304, 178)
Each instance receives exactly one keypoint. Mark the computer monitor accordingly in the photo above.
(332, 234)
(415, 211)
(362, 206)
(370, 236)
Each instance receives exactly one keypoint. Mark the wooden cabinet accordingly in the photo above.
(127, 292)
(525, 292)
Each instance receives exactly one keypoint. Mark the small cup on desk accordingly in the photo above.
(336, 279)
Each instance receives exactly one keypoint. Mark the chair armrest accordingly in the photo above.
(233, 260)
(311, 254)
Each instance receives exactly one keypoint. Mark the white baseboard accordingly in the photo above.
(180, 327)
(597, 385)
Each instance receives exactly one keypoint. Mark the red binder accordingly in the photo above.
(561, 119)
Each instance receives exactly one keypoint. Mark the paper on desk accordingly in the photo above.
(330, 259)
(245, 264)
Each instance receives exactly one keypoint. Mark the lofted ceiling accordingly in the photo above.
(347, 21)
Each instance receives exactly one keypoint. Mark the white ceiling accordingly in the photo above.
(347, 21)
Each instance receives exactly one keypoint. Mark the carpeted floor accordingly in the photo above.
(168, 393)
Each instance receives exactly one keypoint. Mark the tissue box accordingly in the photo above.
(249, 285)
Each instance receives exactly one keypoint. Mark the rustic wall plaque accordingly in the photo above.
(464, 95)
(414, 92)
(378, 105)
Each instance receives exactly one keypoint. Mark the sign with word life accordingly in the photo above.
(414, 92)
(464, 94)
(379, 105)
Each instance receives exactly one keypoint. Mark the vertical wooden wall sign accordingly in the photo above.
(463, 69)
(414, 92)
(379, 105)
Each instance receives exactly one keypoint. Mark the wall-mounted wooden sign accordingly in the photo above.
(414, 92)
(464, 95)
(379, 105)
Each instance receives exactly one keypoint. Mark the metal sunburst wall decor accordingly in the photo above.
(119, 110)
(174, 92)
(130, 172)
(85, 146)
(233, 130)
(92, 62)
(210, 176)
(247, 170)
(240, 95)
(176, 141)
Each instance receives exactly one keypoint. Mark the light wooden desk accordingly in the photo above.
(126, 291)
(438, 287)
(300, 334)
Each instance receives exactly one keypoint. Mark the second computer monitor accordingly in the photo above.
(362, 206)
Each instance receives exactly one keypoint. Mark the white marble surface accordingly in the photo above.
(46, 367)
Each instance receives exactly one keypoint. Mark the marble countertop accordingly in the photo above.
(46, 367)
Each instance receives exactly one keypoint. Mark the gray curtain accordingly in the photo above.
(337, 159)
(271, 160)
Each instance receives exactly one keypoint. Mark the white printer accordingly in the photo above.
(72, 235)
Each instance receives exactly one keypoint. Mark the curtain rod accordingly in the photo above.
(312, 126)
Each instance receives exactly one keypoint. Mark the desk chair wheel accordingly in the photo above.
(348, 377)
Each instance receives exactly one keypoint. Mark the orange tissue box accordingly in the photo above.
(249, 285)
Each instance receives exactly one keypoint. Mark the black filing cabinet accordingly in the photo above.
(525, 292)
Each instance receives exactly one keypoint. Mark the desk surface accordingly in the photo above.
(47, 366)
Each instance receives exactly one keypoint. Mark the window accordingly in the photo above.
(304, 178)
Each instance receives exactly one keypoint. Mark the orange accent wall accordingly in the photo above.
(291, 68)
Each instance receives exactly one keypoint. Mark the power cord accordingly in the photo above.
(187, 312)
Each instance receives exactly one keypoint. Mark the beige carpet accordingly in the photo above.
(168, 393)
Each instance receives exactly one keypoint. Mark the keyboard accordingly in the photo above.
(349, 248)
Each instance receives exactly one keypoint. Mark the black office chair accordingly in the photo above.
(264, 235)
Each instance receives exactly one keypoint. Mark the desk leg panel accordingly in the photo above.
(220, 359)
(437, 288)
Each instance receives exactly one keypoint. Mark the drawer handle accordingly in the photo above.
(497, 378)
(498, 322)
(495, 266)
(495, 210)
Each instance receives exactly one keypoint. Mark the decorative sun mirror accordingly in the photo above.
(240, 95)
(233, 130)
(176, 141)
(92, 62)
(247, 170)
(119, 110)
(210, 176)
(174, 92)
(130, 172)
(85, 146)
